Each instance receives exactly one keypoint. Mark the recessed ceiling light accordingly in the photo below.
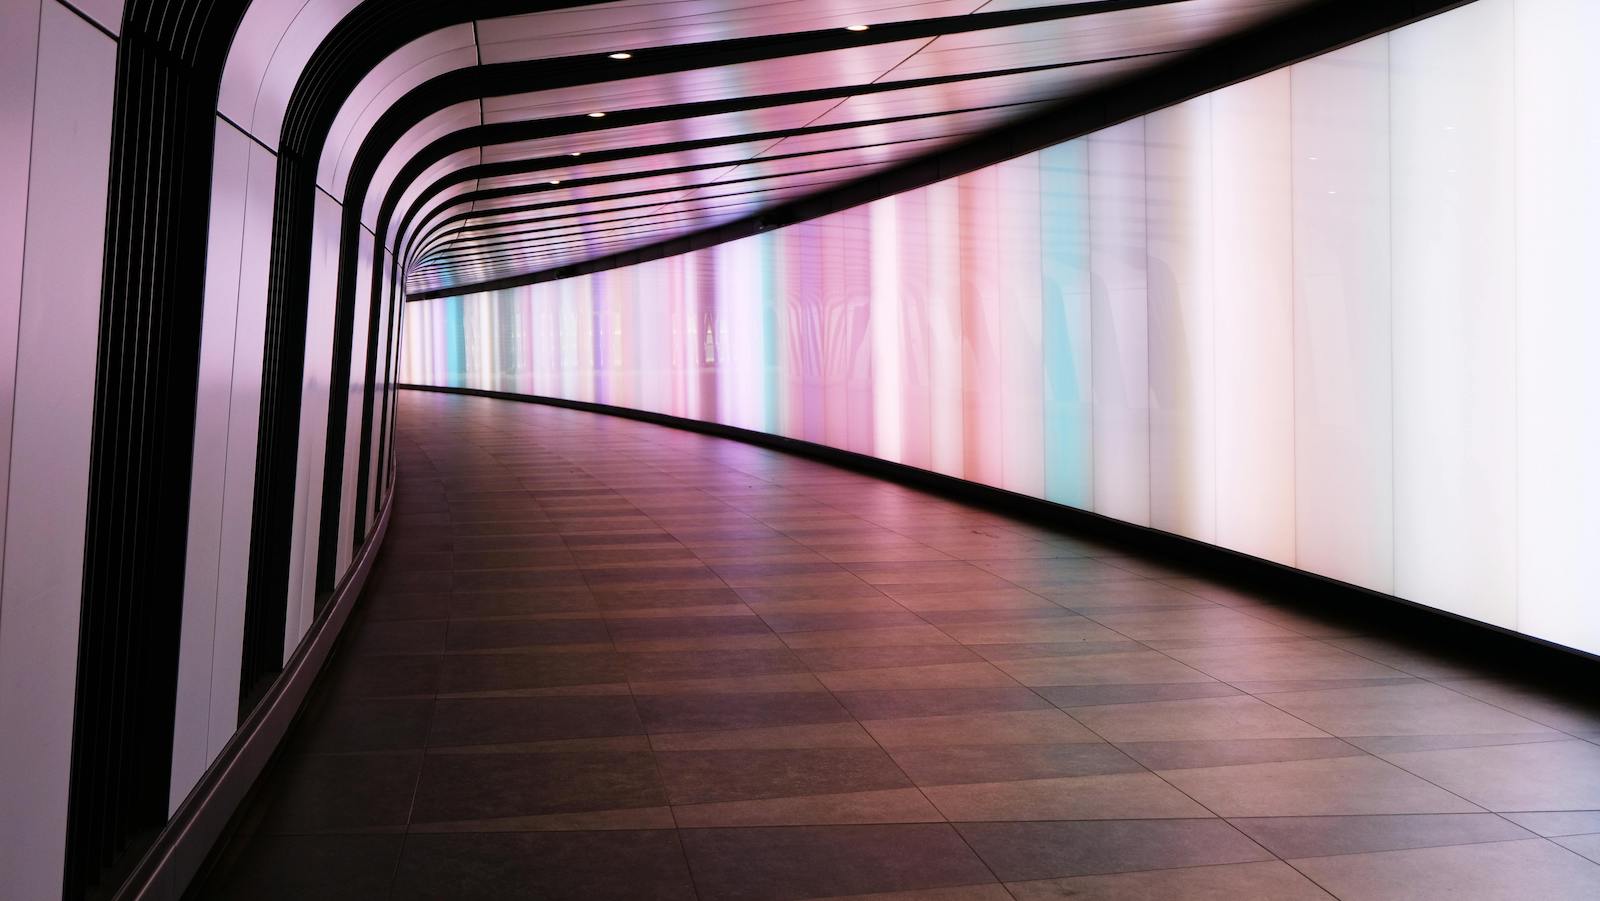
(621, 55)
(597, 115)
(856, 27)
(576, 153)
(555, 181)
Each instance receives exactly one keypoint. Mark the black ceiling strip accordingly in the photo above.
(736, 139)
(513, 132)
(645, 152)
(537, 164)
(651, 192)
(676, 189)
(655, 204)
(1297, 35)
(511, 254)
(505, 238)
(565, 248)
(521, 241)
(547, 74)
(439, 92)
(510, 78)
(620, 177)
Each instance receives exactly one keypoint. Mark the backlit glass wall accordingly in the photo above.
(1342, 316)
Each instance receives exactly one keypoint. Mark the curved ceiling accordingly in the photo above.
(506, 146)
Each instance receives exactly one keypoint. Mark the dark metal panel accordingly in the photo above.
(163, 133)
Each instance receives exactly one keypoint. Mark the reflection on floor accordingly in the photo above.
(603, 659)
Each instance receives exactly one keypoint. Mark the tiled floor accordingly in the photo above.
(603, 659)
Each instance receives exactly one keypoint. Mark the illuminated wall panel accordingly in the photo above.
(1178, 195)
(1340, 316)
(1454, 267)
(1065, 326)
(1344, 446)
(1253, 306)
(1120, 334)
(1558, 319)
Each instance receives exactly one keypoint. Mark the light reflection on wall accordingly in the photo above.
(1340, 316)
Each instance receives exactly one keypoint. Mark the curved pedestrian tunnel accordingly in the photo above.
(606, 659)
(1297, 291)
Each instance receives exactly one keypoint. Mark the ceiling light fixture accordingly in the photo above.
(621, 55)
(597, 115)
(555, 181)
(857, 27)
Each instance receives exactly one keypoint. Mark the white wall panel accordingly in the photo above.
(1344, 446)
(1120, 331)
(1020, 280)
(434, 126)
(52, 417)
(1178, 161)
(19, 36)
(452, 163)
(274, 42)
(887, 341)
(1558, 298)
(357, 390)
(1066, 324)
(947, 411)
(230, 180)
(244, 420)
(430, 55)
(313, 421)
(249, 56)
(386, 353)
(1254, 307)
(1455, 317)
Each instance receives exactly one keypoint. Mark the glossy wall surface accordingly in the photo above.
(1339, 316)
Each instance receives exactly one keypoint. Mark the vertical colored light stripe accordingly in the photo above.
(1065, 324)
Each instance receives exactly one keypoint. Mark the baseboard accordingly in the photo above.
(1397, 615)
(170, 865)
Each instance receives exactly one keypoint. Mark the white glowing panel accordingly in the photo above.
(1455, 313)
(1253, 284)
(1180, 285)
(1344, 476)
(1558, 319)
(1120, 331)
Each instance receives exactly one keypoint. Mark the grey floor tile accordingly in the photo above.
(1324, 836)
(821, 861)
(1028, 851)
(698, 777)
(605, 866)
(1330, 787)
(1189, 720)
(1223, 882)
(1415, 709)
(1560, 775)
(1503, 871)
